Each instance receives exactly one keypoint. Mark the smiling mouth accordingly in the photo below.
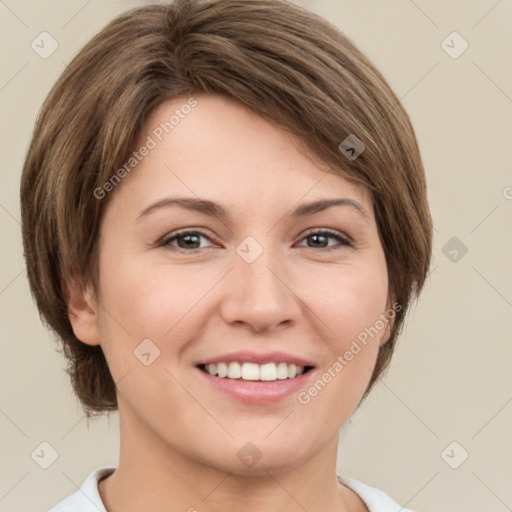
(267, 372)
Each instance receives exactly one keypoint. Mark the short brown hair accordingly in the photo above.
(287, 64)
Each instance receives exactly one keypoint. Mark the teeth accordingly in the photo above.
(253, 371)
(222, 369)
(250, 371)
(282, 371)
(234, 370)
(268, 371)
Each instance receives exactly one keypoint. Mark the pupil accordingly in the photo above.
(188, 241)
(316, 237)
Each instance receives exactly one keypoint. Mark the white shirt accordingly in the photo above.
(87, 498)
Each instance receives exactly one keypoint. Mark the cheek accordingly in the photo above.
(143, 301)
(350, 311)
(140, 293)
(350, 303)
(145, 324)
(348, 299)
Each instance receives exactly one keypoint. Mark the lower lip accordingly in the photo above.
(257, 392)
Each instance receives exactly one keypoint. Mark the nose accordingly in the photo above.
(260, 295)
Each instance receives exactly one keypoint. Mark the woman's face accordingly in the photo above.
(180, 287)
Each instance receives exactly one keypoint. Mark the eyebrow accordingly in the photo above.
(213, 209)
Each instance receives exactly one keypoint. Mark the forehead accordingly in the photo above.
(222, 150)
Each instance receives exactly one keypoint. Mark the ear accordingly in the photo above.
(82, 311)
(389, 319)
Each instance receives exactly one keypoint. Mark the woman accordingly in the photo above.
(225, 221)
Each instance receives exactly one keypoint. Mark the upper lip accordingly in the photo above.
(259, 358)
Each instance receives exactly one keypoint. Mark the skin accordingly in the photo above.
(179, 436)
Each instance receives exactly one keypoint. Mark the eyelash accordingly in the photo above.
(343, 240)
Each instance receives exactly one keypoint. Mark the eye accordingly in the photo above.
(321, 237)
(187, 240)
(190, 241)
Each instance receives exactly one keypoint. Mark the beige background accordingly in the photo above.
(450, 380)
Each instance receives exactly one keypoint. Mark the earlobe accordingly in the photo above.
(386, 333)
(82, 312)
(390, 322)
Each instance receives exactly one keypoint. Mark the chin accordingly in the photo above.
(260, 457)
